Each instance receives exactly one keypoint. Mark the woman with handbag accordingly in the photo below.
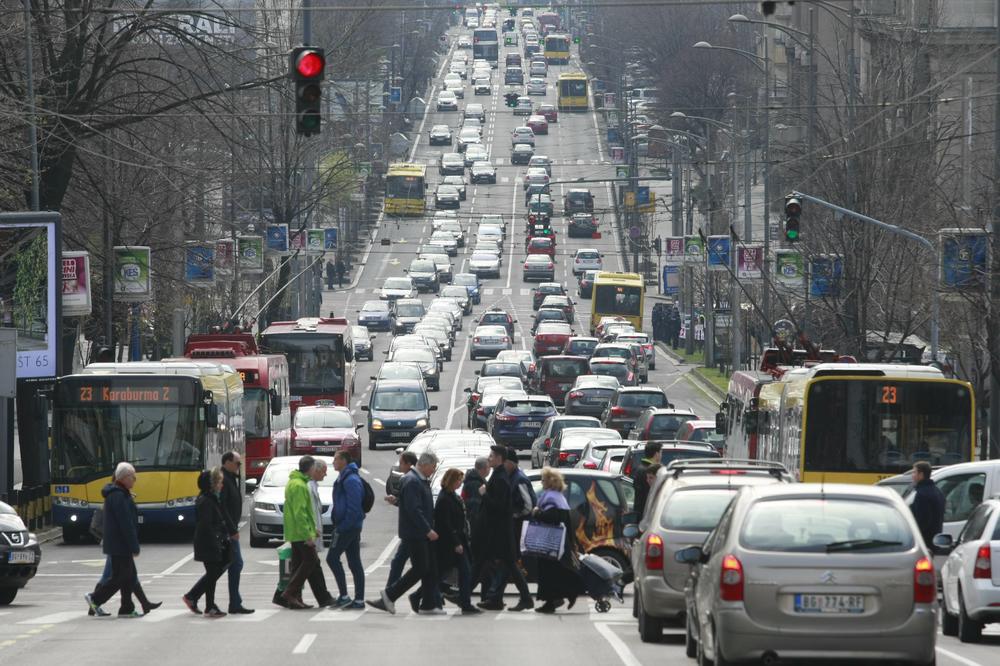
(211, 543)
(558, 579)
(452, 546)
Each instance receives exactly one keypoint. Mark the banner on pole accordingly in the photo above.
(671, 280)
(314, 241)
(199, 264)
(277, 239)
(750, 262)
(250, 251)
(76, 297)
(825, 271)
(133, 283)
(225, 252)
(694, 249)
(330, 238)
(964, 259)
(788, 269)
(673, 250)
(718, 253)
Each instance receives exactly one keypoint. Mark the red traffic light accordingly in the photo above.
(309, 64)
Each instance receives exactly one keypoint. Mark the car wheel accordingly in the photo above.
(472, 355)
(949, 622)
(258, 542)
(969, 631)
(650, 628)
(690, 645)
(7, 595)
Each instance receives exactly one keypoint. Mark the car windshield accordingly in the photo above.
(397, 283)
(399, 371)
(665, 426)
(276, 476)
(696, 510)
(825, 525)
(565, 367)
(538, 259)
(557, 315)
(455, 292)
(588, 255)
(399, 401)
(466, 280)
(617, 370)
(375, 306)
(482, 256)
(581, 346)
(597, 382)
(612, 352)
(494, 369)
(644, 399)
(528, 407)
(410, 310)
(422, 266)
(415, 354)
(323, 418)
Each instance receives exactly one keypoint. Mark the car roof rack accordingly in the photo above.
(678, 467)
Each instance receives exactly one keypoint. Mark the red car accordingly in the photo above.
(324, 430)
(538, 124)
(551, 338)
(542, 245)
(555, 375)
(549, 112)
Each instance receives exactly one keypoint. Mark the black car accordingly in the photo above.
(582, 225)
(590, 394)
(578, 201)
(424, 274)
(585, 285)
(452, 164)
(629, 402)
(483, 172)
(409, 311)
(19, 554)
(397, 411)
(498, 317)
(539, 293)
(521, 153)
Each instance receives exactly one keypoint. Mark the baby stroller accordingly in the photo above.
(601, 580)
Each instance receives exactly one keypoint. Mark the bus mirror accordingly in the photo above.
(211, 415)
(750, 419)
(275, 402)
(721, 427)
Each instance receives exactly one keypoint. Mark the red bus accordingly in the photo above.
(550, 20)
(320, 357)
(739, 414)
(267, 418)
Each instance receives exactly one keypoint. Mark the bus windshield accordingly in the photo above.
(404, 187)
(879, 425)
(256, 412)
(573, 88)
(610, 299)
(315, 362)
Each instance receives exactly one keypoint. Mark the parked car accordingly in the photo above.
(266, 518)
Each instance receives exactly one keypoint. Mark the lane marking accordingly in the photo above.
(56, 618)
(387, 552)
(175, 566)
(458, 375)
(304, 644)
(957, 657)
(617, 644)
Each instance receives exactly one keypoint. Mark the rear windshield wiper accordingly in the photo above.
(859, 544)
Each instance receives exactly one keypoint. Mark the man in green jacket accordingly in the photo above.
(300, 531)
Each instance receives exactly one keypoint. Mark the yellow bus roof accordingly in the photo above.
(607, 277)
(575, 76)
(407, 169)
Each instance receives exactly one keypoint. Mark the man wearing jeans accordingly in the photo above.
(232, 511)
(348, 519)
(416, 520)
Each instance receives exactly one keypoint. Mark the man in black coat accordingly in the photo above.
(928, 503)
(232, 511)
(651, 454)
(475, 478)
(416, 530)
(120, 542)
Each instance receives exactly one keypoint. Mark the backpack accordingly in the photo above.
(97, 524)
(368, 500)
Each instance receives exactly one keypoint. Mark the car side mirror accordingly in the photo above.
(432, 408)
(631, 531)
(358, 426)
(630, 518)
(943, 544)
(721, 424)
(372, 377)
(250, 485)
(364, 408)
(690, 555)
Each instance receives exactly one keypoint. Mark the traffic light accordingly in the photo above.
(793, 210)
(658, 245)
(306, 65)
(510, 99)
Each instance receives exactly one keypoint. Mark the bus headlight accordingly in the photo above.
(376, 424)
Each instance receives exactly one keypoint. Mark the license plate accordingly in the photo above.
(21, 557)
(325, 449)
(829, 603)
(140, 519)
(400, 434)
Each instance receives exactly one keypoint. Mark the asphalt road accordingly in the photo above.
(48, 623)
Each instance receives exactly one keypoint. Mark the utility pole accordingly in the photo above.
(32, 128)
(993, 334)
(766, 300)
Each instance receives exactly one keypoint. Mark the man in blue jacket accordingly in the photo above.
(120, 542)
(416, 530)
(348, 519)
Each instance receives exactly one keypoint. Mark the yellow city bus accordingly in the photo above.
(557, 49)
(856, 422)
(572, 91)
(617, 295)
(405, 186)
(170, 420)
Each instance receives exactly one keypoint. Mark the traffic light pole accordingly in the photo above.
(899, 231)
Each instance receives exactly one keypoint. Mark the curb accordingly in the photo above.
(705, 386)
(48, 535)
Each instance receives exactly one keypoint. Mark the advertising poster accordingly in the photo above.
(330, 238)
(964, 257)
(617, 154)
(788, 270)
(671, 280)
(29, 288)
(645, 200)
(314, 241)
(277, 239)
(673, 249)
(694, 248)
(199, 263)
(224, 253)
(133, 282)
(76, 297)
(825, 271)
(718, 253)
(750, 262)
(250, 250)
(297, 240)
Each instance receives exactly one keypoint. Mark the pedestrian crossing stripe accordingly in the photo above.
(489, 291)
(507, 292)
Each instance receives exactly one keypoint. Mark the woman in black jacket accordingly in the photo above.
(452, 545)
(211, 543)
(557, 580)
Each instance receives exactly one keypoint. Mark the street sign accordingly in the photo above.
(634, 232)
(395, 95)
(621, 171)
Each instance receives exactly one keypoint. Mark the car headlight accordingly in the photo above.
(421, 423)
(376, 424)
(264, 506)
(432, 371)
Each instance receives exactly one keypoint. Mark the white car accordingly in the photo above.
(452, 78)
(447, 101)
(458, 67)
(397, 287)
(522, 135)
(970, 577)
(524, 107)
(539, 69)
(541, 161)
(536, 176)
(587, 259)
(445, 239)
(490, 231)
(493, 219)
(464, 42)
(536, 86)
(482, 87)
(476, 152)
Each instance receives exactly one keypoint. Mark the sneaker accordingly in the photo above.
(452, 598)
(240, 610)
(214, 613)
(433, 611)
(356, 604)
(94, 608)
(342, 601)
(191, 604)
(131, 613)
(548, 608)
(471, 610)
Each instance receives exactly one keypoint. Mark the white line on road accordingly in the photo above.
(390, 548)
(458, 374)
(956, 657)
(304, 644)
(175, 566)
(380, 481)
(617, 644)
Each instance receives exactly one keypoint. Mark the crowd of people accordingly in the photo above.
(471, 534)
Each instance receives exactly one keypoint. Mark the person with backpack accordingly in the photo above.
(348, 519)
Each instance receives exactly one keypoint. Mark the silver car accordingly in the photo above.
(266, 518)
(485, 264)
(812, 571)
(461, 296)
(489, 341)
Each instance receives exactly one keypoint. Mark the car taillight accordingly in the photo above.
(505, 417)
(589, 465)
(654, 552)
(924, 589)
(550, 264)
(731, 579)
(475, 340)
(506, 339)
(983, 569)
(618, 411)
(575, 394)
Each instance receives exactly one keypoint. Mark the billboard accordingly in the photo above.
(749, 262)
(825, 271)
(330, 238)
(224, 255)
(694, 248)
(673, 249)
(314, 241)
(964, 260)
(199, 263)
(788, 269)
(76, 296)
(250, 253)
(718, 253)
(30, 287)
(277, 239)
(133, 281)
(671, 280)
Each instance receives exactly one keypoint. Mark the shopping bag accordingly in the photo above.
(543, 540)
